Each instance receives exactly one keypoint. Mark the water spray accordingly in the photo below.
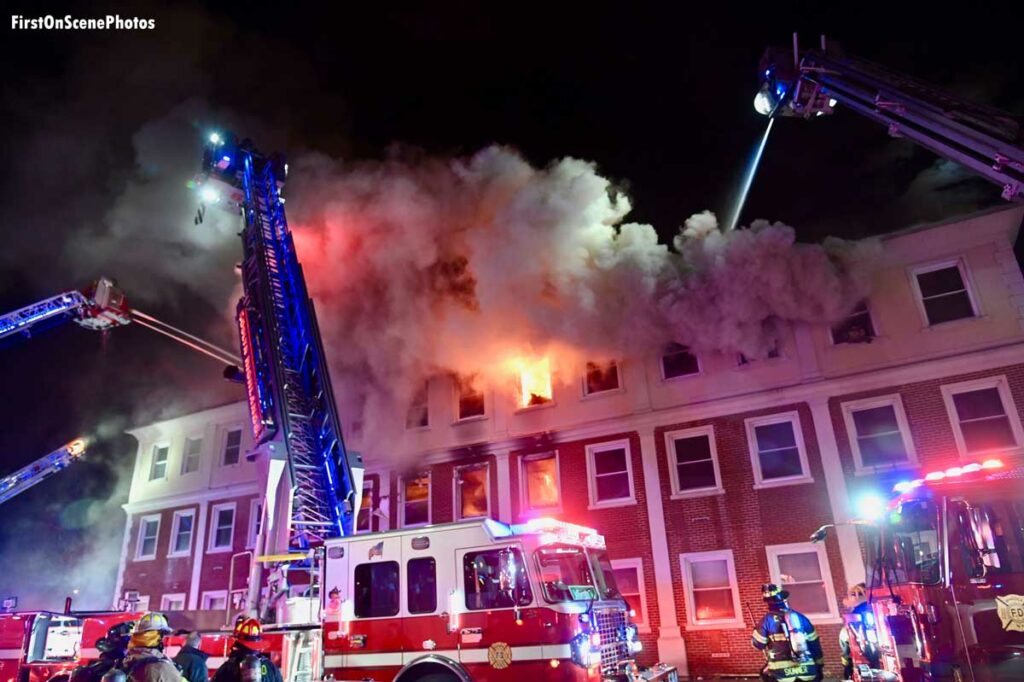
(748, 180)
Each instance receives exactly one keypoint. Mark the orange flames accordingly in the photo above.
(534, 381)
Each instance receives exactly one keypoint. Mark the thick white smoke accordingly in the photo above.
(437, 265)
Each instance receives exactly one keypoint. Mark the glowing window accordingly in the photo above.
(712, 597)
(416, 500)
(629, 578)
(471, 491)
(802, 570)
(540, 481)
(366, 507)
(535, 383)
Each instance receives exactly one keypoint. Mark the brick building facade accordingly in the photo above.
(706, 474)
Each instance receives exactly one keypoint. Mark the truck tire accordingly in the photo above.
(437, 677)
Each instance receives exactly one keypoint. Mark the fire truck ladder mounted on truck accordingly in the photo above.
(809, 83)
(291, 401)
(38, 471)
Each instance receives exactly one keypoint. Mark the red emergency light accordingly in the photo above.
(951, 472)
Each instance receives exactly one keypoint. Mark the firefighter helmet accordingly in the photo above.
(248, 630)
(119, 630)
(153, 621)
(771, 592)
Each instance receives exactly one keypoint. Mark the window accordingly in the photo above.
(742, 359)
(678, 361)
(777, 450)
(416, 500)
(158, 469)
(190, 458)
(232, 446)
(629, 577)
(470, 399)
(540, 482)
(983, 416)
(255, 519)
(943, 293)
(149, 529)
(495, 579)
(366, 507)
(472, 484)
(181, 533)
(712, 596)
(172, 602)
(422, 576)
(221, 539)
(418, 414)
(693, 462)
(216, 600)
(879, 433)
(376, 593)
(610, 474)
(601, 378)
(802, 569)
(856, 327)
(535, 383)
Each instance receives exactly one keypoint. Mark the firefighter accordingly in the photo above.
(246, 663)
(791, 646)
(145, 660)
(857, 602)
(192, 660)
(277, 587)
(112, 648)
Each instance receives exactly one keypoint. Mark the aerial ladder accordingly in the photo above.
(313, 483)
(810, 83)
(38, 471)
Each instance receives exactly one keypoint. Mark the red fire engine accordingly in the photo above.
(41, 646)
(946, 575)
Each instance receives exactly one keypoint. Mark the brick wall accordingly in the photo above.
(161, 575)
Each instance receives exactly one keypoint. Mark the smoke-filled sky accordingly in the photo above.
(447, 163)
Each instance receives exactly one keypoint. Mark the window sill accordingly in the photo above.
(144, 558)
(692, 494)
(527, 513)
(180, 555)
(681, 377)
(611, 504)
(991, 454)
(725, 625)
(781, 483)
(469, 420)
(855, 344)
(875, 470)
(532, 408)
(219, 550)
(597, 395)
(949, 324)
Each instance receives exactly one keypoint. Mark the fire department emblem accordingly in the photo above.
(499, 655)
(1011, 612)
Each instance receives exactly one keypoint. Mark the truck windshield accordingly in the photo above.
(606, 583)
(910, 547)
(565, 574)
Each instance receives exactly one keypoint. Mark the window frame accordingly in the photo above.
(175, 527)
(425, 404)
(214, 594)
(460, 572)
(224, 445)
(591, 450)
(637, 564)
(255, 515)
(773, 552)
(184, 455)
(143, 520)
(619, 388)
(211, 547)
(398, 591)
(408, 586)
(457, 490)
(166, 446)
(871, 319)
(369, 485)
(164, 599)
(965, 277)
(793, 418)
(894, 400)
(457, 392)
(670, 451)
(999, 383)
(685, 562)
(401, 500)
(661, 365)
(524, 495)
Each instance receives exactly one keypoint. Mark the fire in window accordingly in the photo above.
(534, 382)
(416, 500)
(540, 476)
(855, 327)
(471, 491)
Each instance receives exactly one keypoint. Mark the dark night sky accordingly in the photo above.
(662, 102)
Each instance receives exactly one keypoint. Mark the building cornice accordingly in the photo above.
(185, 499)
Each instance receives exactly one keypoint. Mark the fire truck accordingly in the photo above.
(43, 646)
(945, 562)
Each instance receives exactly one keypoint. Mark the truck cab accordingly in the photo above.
(946, 575)
(473, 601)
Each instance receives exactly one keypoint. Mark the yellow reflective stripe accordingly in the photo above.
(813, 636)
(759, 637)
(779, 665)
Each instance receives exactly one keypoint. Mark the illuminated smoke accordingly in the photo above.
(474, 266)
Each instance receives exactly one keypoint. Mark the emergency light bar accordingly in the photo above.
(553, 530)
(952, 472)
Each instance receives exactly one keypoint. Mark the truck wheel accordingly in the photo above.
(438, 677)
